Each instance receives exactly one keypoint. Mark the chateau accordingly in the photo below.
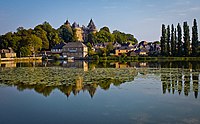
(81, 33)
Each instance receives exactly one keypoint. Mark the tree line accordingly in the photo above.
(177, 42)
(26, 42)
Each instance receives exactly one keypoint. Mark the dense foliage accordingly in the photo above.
(173, 45)
(104, 35)
(27, 42)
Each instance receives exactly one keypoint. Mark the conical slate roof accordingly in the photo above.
(91, 25)
(75, 25)
(67, 22)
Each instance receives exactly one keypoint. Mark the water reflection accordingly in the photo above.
(180, 80)
(71, 88)
(72, 77)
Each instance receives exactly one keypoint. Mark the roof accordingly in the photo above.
(75, 25)
(125, 48)
(126, 44)
(142, 43)
(9, 50)
(91, 25)
(67, 22)
(59, 46)
(75, 44)
(141, 50)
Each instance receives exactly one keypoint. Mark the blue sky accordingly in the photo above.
(143, 18)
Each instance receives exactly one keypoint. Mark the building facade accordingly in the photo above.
(7, 53)
(58, 48)
(81, 33)
(75, 50)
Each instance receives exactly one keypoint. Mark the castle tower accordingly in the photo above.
(67, 23)
(78, 32)
(91, 27)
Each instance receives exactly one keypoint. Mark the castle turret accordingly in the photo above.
(78, 32)
(91, 26)
(67, 23)
(75, 25)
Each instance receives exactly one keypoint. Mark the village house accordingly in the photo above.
(58, 48)
(75, 50)
(123, 50)
(142, 52)
(116, 45)
(7, 53)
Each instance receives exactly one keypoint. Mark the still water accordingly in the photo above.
(99, 93)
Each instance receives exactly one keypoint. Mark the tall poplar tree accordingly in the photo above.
(168, 41)
(186, 38)
(194, 38)
(163, 41)
(175, 38)
(179, 38)
(173, 44)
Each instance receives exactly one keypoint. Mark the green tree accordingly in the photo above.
(175, 38)
(24, 51)
(5, 40)
(52, 34)
(163, 41)
(91, 38)
(35, 43)
(168, 41)
(109, 48)
(180, 43)
(102, 52)
(42, 34)
(195, 38)
(173, 41)
(104, 36)
(186, 38)
(106, 29)
(121, 37)
(66, 33)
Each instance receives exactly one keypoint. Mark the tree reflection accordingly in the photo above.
(180, 79)
(70, 88)
(176, 77)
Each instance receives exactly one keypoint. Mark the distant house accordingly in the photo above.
(7, 53)
(142, 44)
(99, 45)
(116, 45)
(132, 53)
(123, 50)
(75, 50)
(142, 52)
(58, 48)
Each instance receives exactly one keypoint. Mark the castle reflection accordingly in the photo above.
(73, 88)
(73, 77)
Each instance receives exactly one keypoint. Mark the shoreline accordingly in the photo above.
(109, 58)
(20, 59)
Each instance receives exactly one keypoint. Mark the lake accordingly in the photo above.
(99, 92)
